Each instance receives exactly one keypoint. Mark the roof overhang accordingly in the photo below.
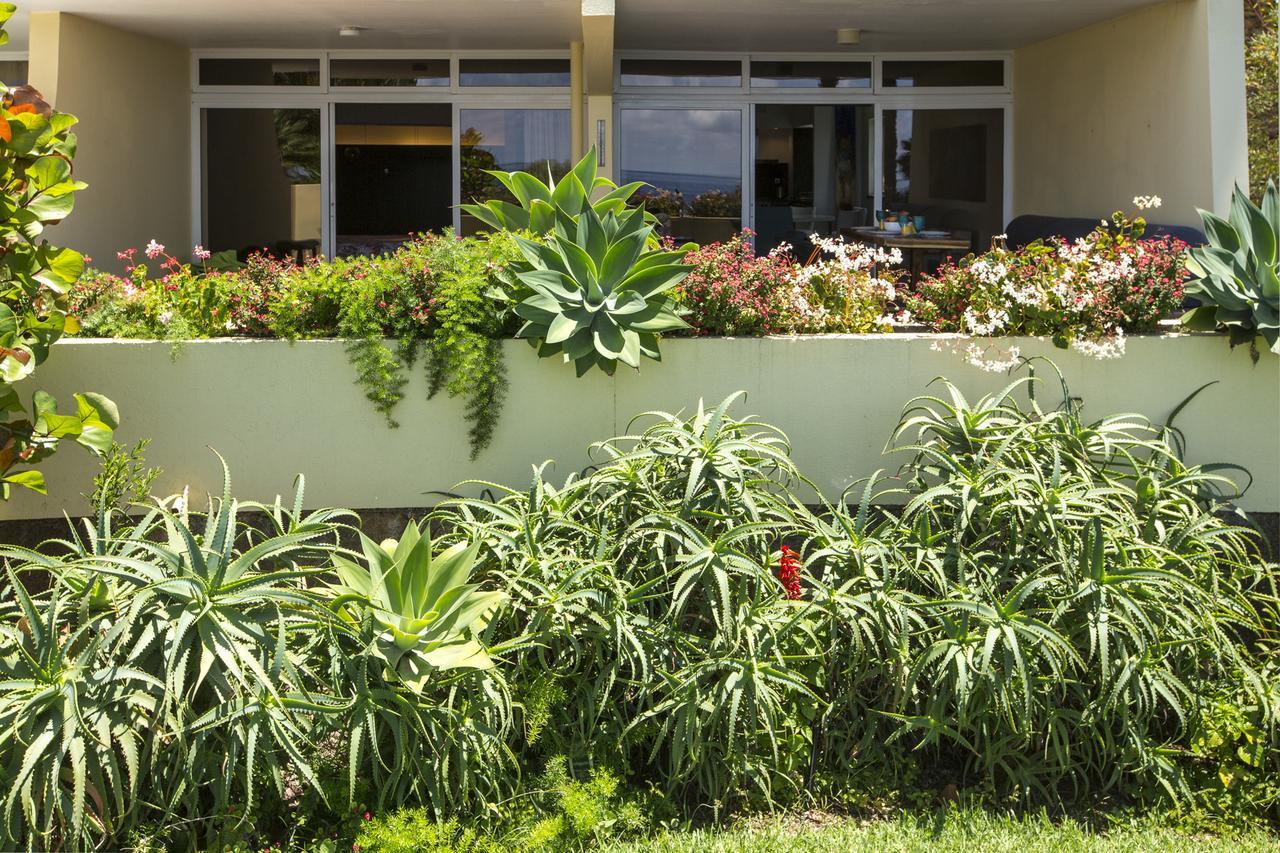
(705, 25)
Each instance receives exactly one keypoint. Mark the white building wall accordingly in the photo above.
(1148, 103)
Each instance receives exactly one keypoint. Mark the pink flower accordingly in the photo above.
(154, 249)
(200, 253)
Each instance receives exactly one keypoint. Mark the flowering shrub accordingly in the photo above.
(432, 292)
(843, 287)
(661, 202)
(1087, 294)
(730, 291)
(733, 292)
(716, 203)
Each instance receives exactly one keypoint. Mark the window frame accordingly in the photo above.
(326, 97)
(235, 53)
(877, 95)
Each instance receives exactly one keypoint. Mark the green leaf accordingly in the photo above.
(33, 480)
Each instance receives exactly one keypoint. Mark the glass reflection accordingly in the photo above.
(692, 161)
(262, 181)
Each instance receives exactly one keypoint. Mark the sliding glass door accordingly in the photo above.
(508, 139)
(691, 158)
(948, 166)
(392, 174)
(813, 171)
(261, 187)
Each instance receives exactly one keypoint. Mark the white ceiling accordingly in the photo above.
(886, 24)
(761, 25)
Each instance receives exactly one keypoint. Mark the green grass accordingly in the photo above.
(969, 832)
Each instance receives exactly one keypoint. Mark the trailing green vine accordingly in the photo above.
(434, 296)
(464, 354)
(434, 292)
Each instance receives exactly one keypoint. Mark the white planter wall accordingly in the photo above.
(274, 409)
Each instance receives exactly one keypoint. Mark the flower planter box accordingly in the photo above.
(274, 409)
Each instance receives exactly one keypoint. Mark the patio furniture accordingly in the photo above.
(298, 250)
(1031, 227)
(848, 219)
(913, 246)
(775, 226)
(703, 230)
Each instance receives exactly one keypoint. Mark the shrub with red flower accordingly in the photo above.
(730, 291)
(789, 573)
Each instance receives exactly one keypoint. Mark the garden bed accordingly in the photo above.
(275, 408)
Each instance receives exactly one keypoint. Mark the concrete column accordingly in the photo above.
(577, 100)
(132, 94)
(1226, 110)
(597, 45)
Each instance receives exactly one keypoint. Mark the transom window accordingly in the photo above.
(926, 73)
(389, 72)
(787, 74)
(680, 72)
(302, 71)
(513, 72)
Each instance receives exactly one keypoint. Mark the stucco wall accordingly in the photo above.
(132, 96)
(1148, 103)
(274, 409)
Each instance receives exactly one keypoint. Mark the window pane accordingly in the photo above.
(393, 174)
(951, 72)
(811, 75)
(681, 72)
(260, 72)
(692, 160)
(947, 166)
(514, 72)
(13, 72)
(813, 171)
(389, 72)
(262, 181)
(534, 141)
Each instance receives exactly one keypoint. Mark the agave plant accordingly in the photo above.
(1238, 273)
(427, 616)
(595, 293)
(541, 205)
(592, 286)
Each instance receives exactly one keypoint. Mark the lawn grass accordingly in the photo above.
(970, 832)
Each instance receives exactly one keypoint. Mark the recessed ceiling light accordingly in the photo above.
(848, 35)
(350, 31)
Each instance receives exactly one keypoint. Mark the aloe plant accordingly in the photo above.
(1238, 272)
(427, 617)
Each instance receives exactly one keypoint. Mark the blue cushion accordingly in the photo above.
(1031, 227)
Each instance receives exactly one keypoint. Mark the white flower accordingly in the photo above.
(987, 323)
(165, 318)
(200, 253)
(1112, 346)
(154, 249)
(1146, 202)
(977, 356)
